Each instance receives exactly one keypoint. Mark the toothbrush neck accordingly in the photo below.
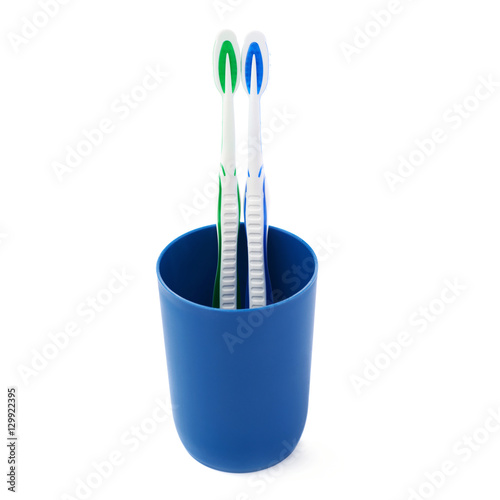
(254, 136)
(228, 155)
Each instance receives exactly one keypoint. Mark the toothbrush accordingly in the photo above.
(226, 58)
(255, 70)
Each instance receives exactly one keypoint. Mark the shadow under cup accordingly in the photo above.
(239, 379)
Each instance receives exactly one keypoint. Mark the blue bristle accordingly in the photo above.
(254, 50)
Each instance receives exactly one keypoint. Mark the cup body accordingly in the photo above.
(239, 379)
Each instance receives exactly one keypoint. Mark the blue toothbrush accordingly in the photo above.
(255, 70)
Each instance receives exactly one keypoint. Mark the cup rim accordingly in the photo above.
(308, 285)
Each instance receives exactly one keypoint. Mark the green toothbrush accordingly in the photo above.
(226, 60)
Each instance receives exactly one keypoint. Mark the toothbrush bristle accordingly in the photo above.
(227, 56)
(254, 56)
(228, 78)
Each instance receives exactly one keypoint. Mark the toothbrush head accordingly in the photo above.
(226, 52)
(255, 63)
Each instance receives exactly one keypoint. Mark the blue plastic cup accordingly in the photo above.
(239, 379)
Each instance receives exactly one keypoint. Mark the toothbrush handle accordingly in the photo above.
(256, 229)
(228, 216)
(228, 221)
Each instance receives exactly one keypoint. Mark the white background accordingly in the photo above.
(348, 122)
